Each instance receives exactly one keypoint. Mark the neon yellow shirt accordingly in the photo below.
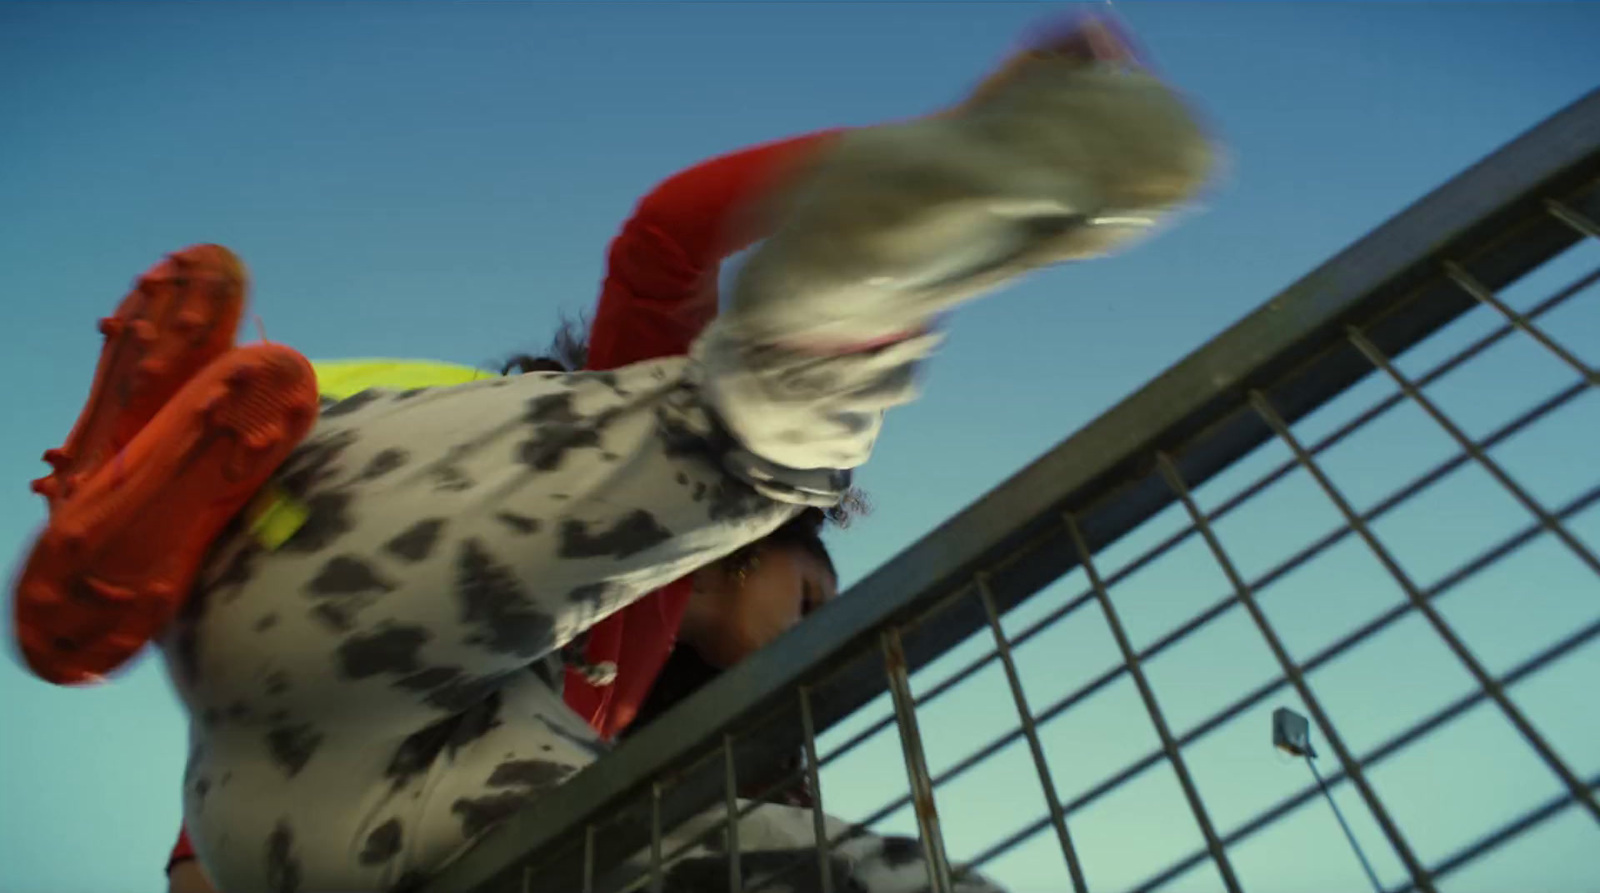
(344, 378)
(274, 516)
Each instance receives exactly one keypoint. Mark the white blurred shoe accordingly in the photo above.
(1073, 150)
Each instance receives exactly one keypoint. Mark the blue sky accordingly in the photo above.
(434, 180)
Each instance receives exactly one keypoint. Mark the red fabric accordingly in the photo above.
(660, 291)
(183, 851)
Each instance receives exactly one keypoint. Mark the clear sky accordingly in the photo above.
(432, 180)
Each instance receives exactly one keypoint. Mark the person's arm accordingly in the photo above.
(661, 270)
(659, 293)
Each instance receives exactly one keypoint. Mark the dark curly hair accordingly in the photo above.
(804, 531)
(568, 350)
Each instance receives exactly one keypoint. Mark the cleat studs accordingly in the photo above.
(40, 596)
(109, 591)
(124, 643)
(188, 322)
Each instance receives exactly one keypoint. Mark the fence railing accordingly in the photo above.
(1084, 522)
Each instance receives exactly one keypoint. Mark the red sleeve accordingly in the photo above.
(661, 270)
(660, 291)
(182, 852)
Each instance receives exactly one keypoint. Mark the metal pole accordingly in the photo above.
(1328, 795)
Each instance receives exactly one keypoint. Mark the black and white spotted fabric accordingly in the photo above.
(361, 698)
(361, 705)
(777, 856)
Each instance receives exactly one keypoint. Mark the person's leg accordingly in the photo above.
(335, 808)
(1064, 159)
(179, 430)
(181, 314)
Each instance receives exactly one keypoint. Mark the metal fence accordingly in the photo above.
(1226, 514)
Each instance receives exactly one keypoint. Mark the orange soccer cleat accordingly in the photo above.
(180, 432)
(181, 315)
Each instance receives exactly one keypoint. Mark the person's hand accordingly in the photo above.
(189, 877)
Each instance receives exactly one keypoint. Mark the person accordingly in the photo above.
(659, 291)
(455, 535)
(795, 552)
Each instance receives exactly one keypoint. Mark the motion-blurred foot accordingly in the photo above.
(180, 432)
(1070, 151)
(182, 314)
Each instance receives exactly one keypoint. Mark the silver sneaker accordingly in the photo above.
(1069, 160)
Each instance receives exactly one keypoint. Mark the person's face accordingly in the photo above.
(732, 615)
